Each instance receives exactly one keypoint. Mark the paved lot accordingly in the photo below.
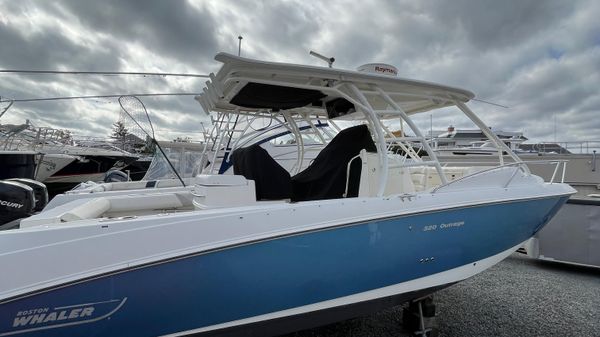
(517, 297)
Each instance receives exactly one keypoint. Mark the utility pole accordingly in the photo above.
(555, 127)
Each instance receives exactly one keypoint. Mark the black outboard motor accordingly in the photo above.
(40, 192)
(17, 201)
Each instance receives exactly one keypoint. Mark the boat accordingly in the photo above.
(92, 161)
(17, 164)
(455, 141)
(20, 195)
(43, 165)
(262, 252)
(572, 235)
(65, 161)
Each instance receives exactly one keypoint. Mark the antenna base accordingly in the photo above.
(329, 60)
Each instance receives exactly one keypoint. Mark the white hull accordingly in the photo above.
(50, 164)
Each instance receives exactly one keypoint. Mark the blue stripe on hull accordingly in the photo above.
(283, 273)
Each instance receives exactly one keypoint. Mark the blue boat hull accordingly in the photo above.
(244, 281)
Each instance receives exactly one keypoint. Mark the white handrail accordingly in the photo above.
(522, 165)
(348, 174)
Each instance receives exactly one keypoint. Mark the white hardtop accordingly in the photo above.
(412, 95)
(250, 87)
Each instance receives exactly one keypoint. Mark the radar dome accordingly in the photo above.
(379, 69)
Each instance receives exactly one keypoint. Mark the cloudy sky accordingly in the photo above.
(539, 58)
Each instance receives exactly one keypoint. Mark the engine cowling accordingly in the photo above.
(40, 192)
(17, 201)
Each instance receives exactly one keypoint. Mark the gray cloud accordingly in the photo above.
(541, 58)
(176, 30)
(48, 49)
(489, 24)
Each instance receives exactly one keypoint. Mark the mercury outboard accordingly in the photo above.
(17, 201)
(40, 192)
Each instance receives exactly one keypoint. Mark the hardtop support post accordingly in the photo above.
(417, 132)
(299, 141)
(491, 136)
(378, 130)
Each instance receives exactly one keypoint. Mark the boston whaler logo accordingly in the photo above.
(47, 318)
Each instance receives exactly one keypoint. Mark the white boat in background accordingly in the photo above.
(51, 163)
(20, 195)
(453, 141)
(44, 165)
(88, 164)
(262, 251)
(63, 161)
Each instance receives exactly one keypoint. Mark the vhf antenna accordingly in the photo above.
(329, 60)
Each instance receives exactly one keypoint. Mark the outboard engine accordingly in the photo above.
(40, 192)
(115, 176)
(17, 201)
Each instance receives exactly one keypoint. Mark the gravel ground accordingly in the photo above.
(517, 297)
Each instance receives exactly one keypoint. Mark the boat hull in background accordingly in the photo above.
(572, 236)
(51, 163)
(84, 168)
